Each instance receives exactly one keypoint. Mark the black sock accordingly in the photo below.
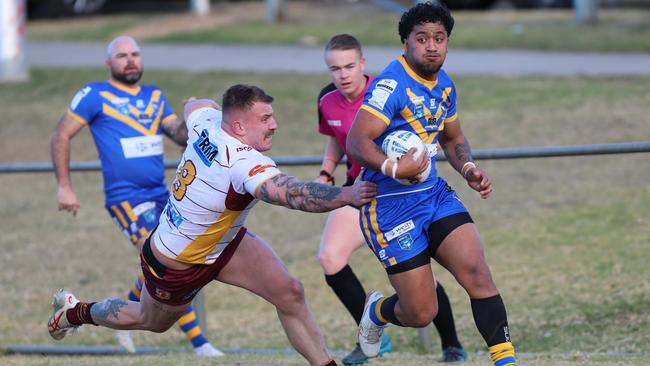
(387, 310)
(444, 320)
(491, 319)
(349, 290)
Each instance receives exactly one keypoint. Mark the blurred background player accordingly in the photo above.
(127, 120)
(202, 235)
(406, 225)
(338, 104)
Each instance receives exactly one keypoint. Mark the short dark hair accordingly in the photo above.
(242, 97)
(343, 41)
(429, 12)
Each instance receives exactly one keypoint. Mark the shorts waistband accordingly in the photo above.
(151, 259)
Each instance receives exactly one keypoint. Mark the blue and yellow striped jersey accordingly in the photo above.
(405, 101)
(125, 123)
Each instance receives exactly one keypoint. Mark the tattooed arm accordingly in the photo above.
(285, 190)
(459, 155)
(176, 130)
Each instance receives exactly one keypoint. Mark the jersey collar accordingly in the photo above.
(133, 90)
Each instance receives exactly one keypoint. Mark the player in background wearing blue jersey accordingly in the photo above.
(406, 226)
(127, 120)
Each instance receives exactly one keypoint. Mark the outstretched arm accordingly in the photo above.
(459, 154)
(60, 151)
(285, 190)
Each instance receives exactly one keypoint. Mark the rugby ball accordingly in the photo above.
(398, 143)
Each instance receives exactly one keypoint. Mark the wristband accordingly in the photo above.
(469, 164)
(330, 177)
(383, 166)
(394, 170)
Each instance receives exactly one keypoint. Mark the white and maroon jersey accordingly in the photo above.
(211, 195)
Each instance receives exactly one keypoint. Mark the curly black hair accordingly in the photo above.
(429, 12)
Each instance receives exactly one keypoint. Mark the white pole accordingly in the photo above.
(275, 11)
(200, 7)
(13, 64)
(586, 11)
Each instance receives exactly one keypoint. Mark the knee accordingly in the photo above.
(293, 295)
(159, 328)
(330, 262)
(478, 277)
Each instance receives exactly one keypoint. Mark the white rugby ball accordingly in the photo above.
(398, 143)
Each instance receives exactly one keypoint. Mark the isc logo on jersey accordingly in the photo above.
(206, 150)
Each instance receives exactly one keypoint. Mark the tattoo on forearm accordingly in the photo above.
(288, 191)
(106, 308)
(463, 152)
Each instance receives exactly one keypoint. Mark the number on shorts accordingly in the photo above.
(184, 178)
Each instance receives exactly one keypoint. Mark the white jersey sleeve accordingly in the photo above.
(202, 116)
(251, 171)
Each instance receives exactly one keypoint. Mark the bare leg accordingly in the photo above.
(257, 268)
(416, 289)
(462, 254)
(148, 314)
(341, 237)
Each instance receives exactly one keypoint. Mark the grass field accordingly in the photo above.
(567, 238)
(311, 24)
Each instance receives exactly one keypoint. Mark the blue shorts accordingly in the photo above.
(396, 227)
(137, 217)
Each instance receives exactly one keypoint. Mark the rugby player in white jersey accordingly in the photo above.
(201, 235)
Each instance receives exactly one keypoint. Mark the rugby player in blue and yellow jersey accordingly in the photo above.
(407, 225)
(127, 120)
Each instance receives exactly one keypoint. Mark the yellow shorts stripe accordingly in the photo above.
(129, 211)
(120, 217)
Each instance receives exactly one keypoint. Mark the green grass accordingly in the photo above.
(313, 23)
(567, 238)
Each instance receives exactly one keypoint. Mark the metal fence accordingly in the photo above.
(478, 154)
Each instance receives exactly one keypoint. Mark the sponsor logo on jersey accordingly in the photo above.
(382, 254)
(432, 104)
(387, 84)
(172, 214)
(400, 229)
(259, 169)
(139, 103)
(334, 122)
(243, 148)
(379, 98)
(206, 150)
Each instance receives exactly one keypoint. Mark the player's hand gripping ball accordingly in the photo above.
(398, 143)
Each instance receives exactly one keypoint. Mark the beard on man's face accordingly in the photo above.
(427, 69)
(127, 78)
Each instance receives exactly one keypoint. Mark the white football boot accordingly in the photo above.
(58, 325)
(369, 332)
(207, 350)
(124, 339)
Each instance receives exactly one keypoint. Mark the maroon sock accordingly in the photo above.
(80, 314)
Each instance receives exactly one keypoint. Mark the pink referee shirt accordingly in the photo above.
(335, 117)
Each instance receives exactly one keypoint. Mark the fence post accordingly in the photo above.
(586, 11)
(200, 7)
(424, 336)
(13, 65)
(199, 309)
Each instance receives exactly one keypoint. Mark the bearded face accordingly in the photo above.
(129, 74)
(124, 61)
